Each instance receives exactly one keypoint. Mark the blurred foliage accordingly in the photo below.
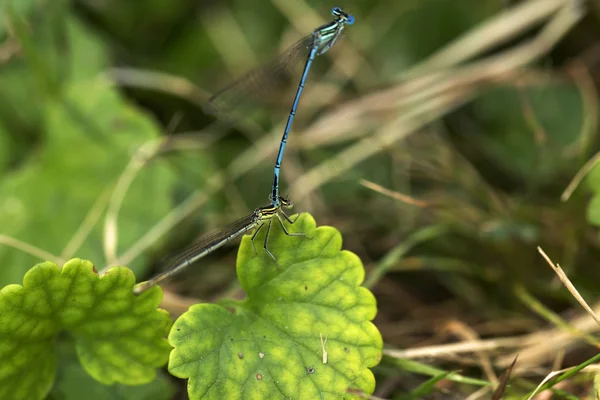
(490, 173)
(526, 132)
(86, 135)
(73, 383)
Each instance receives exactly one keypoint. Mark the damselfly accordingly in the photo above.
(262, 216)
(317, 43)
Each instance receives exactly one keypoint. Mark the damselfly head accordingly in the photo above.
(338, 12)
(287, 203)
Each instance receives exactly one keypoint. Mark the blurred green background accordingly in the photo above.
(444, 192)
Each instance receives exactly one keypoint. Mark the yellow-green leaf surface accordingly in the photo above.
(119, 338)
(273, 346)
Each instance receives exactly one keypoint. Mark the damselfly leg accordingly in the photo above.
(254, 237)
(290, 221)
(268, 234)
(266, 245)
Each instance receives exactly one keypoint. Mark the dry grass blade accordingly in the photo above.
(548, 377)
(135, 165)
(462, 330)
(570, 287)
(394, 195)
(87, 225)
(578, 178)
(10, 48)
(540, 346)
(161, 82)
(497, 395)
(30, 249)
(468, 346)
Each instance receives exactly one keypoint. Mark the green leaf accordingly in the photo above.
(593, 183)
(87, 54)
(593, 210)
(271, 347)
(529, 130)
(119, 337)
(45, 202)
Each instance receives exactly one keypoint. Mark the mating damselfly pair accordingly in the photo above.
(317, 43)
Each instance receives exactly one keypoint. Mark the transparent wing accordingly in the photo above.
(200, 248)
(257, 83)
(207, 243)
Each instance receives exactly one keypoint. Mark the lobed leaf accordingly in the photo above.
(304, 332)
(119, 338)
